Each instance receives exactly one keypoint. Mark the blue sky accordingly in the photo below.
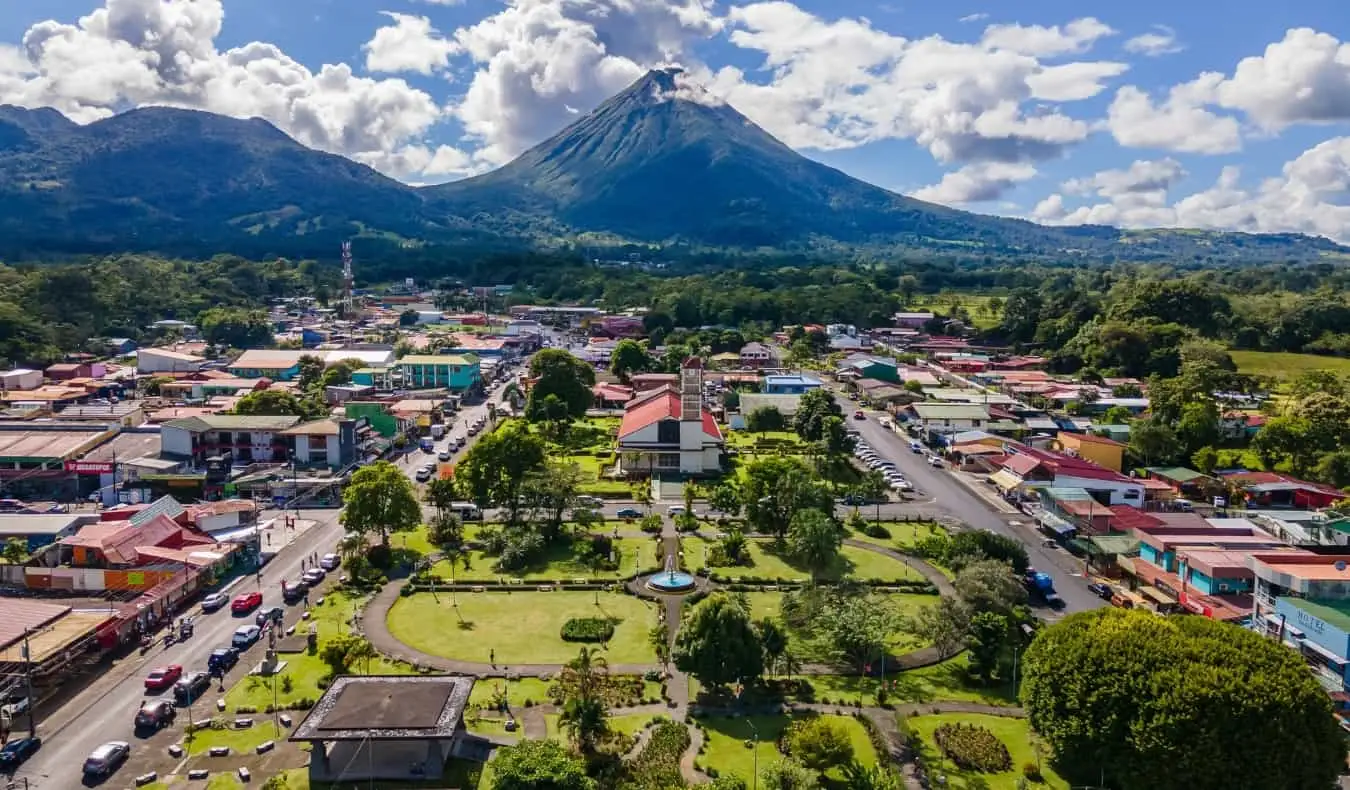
(1145, 113)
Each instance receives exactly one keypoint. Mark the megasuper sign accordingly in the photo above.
(89, 467)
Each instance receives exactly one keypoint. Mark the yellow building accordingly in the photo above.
(1097, 449)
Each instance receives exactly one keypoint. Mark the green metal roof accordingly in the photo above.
(438, 359)
(1178, 473)
(1336, 613)
(234, 422)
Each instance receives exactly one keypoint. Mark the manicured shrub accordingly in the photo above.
(973, 748)
(588, 629)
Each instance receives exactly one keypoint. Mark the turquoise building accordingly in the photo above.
(456, 372)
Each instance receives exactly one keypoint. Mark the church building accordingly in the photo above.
(668, 430)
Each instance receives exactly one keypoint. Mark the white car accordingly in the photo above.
(330, 562)
(935, 461)
(214, 601)
(901, 485)
(245, 636)
(676, 510)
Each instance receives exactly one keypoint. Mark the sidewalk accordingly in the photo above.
(982, 490)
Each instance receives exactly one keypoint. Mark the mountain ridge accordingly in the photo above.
(660, 162)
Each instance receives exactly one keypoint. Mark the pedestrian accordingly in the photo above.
(492, 657)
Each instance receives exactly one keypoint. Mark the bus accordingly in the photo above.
(467, 511)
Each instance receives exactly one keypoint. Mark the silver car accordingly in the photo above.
(106, 758)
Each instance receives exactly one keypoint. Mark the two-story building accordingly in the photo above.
(243, 439)
(757, 355)
(332, 443)
(668, 430)
(1027, 468)
(1099, 450)
(456, 372)
(166, 360)
(790, 384)
(943, 419)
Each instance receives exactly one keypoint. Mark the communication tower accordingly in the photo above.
(348, 279)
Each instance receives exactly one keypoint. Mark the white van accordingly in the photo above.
(467, 511)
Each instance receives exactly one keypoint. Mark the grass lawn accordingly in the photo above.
(304, 670)
(769, 563)
(1283, 365)
(627, 724)
(533, 690)
(1014, 733)
(726, 748)
(557, 564)
(770, 442)
(461, 774)
(521, 627)
(224, 782)
(240, 741)
(903, 533)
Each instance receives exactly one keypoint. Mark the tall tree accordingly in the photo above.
(990, 586)
(718, 644)
(379, 500)
(495, 470)
(311, 371)
(1081, 689)
(628, 357)
(538, 765)
(1153, 442)
(765, 419)
(274, 403)
(557, 372)
(814, 539)
(812, 410)
(584, 716)
(776, 489)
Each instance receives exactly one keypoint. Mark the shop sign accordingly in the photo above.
(89, 467)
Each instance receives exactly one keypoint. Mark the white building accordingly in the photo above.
(20, 379)
(162, 360)
(666, 430)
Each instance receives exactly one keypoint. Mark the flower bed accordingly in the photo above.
(973, 748)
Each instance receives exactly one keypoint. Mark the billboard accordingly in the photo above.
(89, 467)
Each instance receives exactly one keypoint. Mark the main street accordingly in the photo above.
(105, 710)
(952, 497)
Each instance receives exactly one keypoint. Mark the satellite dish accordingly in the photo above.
(1340, 565)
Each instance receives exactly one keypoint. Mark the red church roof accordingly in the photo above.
(665, 407)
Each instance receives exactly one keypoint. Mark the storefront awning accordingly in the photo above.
(1322, 652)
(1157, 596)
(1005, 480)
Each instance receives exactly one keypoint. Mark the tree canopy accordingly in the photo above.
(718, 644)
(1178, 702)
(379, 500)
(556, 372)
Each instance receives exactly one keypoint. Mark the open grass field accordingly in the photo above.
(944, 682)
(1283, 365)
(771, 563)
(734, 742)
(1014, 733)
(975, 304)
(521, 627)
(903, 533)
(240, 741)
(767, 604)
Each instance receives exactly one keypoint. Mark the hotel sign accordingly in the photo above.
(89, 467)
(1309, 623)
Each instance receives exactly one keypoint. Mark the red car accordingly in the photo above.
(163, 677)
(246, 603)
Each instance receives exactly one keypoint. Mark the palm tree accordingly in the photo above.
(642, 494)
(361, 650)
(352, 545)
(585, 721)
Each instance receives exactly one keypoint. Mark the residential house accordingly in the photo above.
(244, 439)
(668, 430)
(139, 553)
(282, 365)
(164, 360)
(611, 396)
(644, 382)
(620, 326)
(1097, 449)
(756, 355)
(65, 371)
(1275, 490)
(868, 367)
(379, 416)
(456, 372)
(948, 418)
(1185, 483)
(793, 384)
(785, 404)
(119, 346)
(1027, 468)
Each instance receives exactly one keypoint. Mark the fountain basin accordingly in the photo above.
(671, 582)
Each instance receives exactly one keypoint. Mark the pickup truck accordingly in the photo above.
(1041, 585)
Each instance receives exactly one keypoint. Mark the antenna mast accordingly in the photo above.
(348, 280)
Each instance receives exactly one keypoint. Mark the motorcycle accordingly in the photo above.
(146, 642)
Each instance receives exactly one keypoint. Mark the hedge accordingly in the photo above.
(587, 629)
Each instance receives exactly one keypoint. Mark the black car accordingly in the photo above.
(276, 614)
(1100, 590)
(191, 688)
(16, 752)
(155, 715)
(222, 660)
(294, 591)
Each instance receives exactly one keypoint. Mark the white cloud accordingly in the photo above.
(976, 183)
(409, 44)
(1075, 37)
(1180, 123)
(537, 58)
(1161, 40)
(841, 84)
(1309, 196)
(979, 17)
(140, 52)
(1303, 78)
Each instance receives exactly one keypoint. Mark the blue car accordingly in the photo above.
(629, 512)
(17, 751)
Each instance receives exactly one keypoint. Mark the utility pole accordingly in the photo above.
(28, 677)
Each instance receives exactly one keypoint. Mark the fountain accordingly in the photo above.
(671, 580)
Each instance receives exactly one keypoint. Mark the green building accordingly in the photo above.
(456, 372)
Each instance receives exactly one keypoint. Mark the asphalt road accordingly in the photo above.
(951, 496)
(105, 711)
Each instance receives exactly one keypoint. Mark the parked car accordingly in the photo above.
(902, 485)
(107, 758)
(15, 705)
(1100, 590)
(330, 562)
(423, 475)
(294, 591)
(676, 510)
(274, 613)
(313, 576)
(935, 461)
(858, 415)
(161, 678)
(17, 751)
(191, 687)
(915, 447)
(246, 603)
(222, 660)
(155, 715)
(589, 501)
(443, 455)
(245, 636)
(628, 512)
(214, 601)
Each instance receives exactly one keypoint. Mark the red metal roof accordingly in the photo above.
(665, 406)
